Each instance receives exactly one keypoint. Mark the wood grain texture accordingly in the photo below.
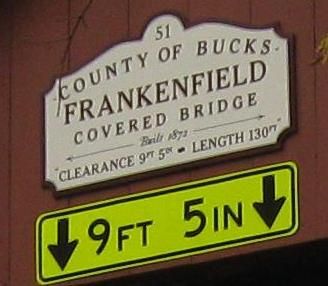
(141, 13)
(5, 78)
(300, 147)
(321, 92)
(104, 24)
(40, 31)
(236, 12)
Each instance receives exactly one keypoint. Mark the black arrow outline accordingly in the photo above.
(63, 250)
(269, 209)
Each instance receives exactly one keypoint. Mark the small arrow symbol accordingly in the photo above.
(71, 158)
(63, 250)
(258, 117)
(270, 207)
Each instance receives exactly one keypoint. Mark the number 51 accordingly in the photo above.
(163, 32)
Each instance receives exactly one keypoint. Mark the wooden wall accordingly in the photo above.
(41, 40)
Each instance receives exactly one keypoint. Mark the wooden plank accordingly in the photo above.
(233, 11)
(41, 31)
(105, 25)
(296, 17)
(321, 30)
(141, 13)
(118, 22)
(38, 46)
(99, 25)
(5, 58)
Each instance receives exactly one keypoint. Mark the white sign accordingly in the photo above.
(176, 96)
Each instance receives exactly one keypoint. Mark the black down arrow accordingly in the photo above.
(270, 207)
(63, 250)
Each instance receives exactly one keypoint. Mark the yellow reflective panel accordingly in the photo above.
(165, 224)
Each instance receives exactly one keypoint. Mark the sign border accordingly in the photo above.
(200, 162)
(291, 166)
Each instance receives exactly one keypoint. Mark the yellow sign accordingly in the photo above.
(165, 224)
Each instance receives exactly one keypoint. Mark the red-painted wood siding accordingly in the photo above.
(39, 42)
(5, 59)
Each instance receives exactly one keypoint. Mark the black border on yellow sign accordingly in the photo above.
(175, 254)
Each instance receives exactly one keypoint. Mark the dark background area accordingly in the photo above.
(304, 264)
